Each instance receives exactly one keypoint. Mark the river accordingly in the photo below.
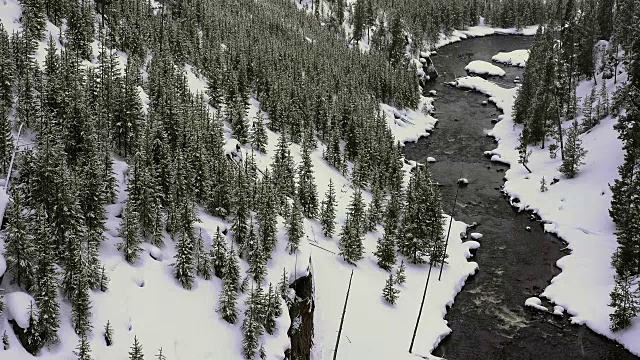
(489, 319)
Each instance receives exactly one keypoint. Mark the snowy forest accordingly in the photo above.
(111, 90)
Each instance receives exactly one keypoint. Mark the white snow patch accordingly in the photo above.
(17, 307)
(476, 236)
(558, 310)
(484, 68)
(513, 58)
(536, 303)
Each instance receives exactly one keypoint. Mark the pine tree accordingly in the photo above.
(232, 269)
(356, 211)
(573, 152)
(184, 260)
(625, 302)
(386, 251)
(267, 216)
(283, 169)
(256, 259)
(81, 306)
(283, 286)
(543, 185)
(130, 232)
(20, 252)
(227, 301)
(251, 327)
(83, 350)
(389, 292)
(307, 192)
(218, 253)
(400, 276)
(259, 139)
(202, 259)
(351, 247)
(104, 280)
(272, 310)
(328, 212)
(160, 355)
(295, 227)
(108, 333)
(34, 343)
(47, 287)
(136, 350)
(5, 341)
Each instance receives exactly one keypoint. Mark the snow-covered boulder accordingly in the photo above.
(431, 159)
(476, 236)
(513, 58)
(558, 310)
(485, 102)
(472, 245)
(528, 228)
(484, 68)
(462, 182)
(433, 92)
(156, 253)
(535, 303)
(17, 307)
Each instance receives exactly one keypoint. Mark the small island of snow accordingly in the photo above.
(513, 58)
(484, 68)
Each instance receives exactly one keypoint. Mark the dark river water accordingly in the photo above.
(489, 319)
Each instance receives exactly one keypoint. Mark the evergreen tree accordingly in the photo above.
(227, 301)
(625, 302)
(160, 355)
(20, 252)
(251, 327)
(400, 276)
(47, 287)
(267, 216)
(328, 211)
(389, 292)
(307, 192)
(351, 247)
(184, 260)
(130, 233)
(83, 350)
(136, 350)
(218, 253)
(259, 139)
(202, 259)
(573, 152)
(386, 251)
(283, 169)
(31, 333)
(295, 227)
(5, 341)
(81, 306)
(256, 259)
(108, 333)
(232, 270)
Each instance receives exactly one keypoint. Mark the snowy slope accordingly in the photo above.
(574, 209)
(144, 300)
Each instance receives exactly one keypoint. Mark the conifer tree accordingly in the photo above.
(219, 253)
(574, 153)
(283, 169)
(81, 306)
(108, 333)
(328, 211)
(130, 233)
(227, 301)
(20, 252)
(351, 248)
(400, 276)
(374, 211)
(356, 211)
(307, 192)
(103, 283)
(251, 327)
(232, 269)
(625, 302)
(47, 287)
(32, 334)
(386, 251)
(136, 350)
(5, 341)
(202, 259)
(267, 216)
(259, 139)
(295, 227)
(389, 292)
(256, 259)
(83, 350)
(272, 310)
(160, 355)
(184, 260)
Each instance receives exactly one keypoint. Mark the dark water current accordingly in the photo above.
(489, 319)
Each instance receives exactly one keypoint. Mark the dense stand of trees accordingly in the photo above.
(565, 52)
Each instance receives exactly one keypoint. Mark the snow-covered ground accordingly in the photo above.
(144, 300)
(574, 209)
(513, 58)
(484, 68)
(483, 30)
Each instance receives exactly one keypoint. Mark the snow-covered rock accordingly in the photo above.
(535, 303)
(514, 58)
(485, 102)
(528, 228)
(431, 159)
(433, 92)
(476, 236)
(3, 265)
(156, 253)
(472, 245)
(463, 182)
(484, 68)
(558, 310)
(17, 307)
